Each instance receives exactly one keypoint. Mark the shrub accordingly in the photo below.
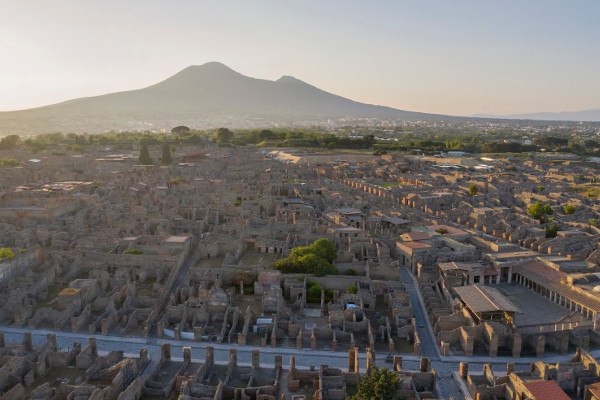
(313, 293)
(594, 222)
(381, 383)
(551, 231)
(540, 188)
(6, 253)
(324, 248)
(352, 289)
(539, 211)
(22, 251)
(177, 181)
(328, 296)
(569, 209)
(350, 272)
(133, 251)
(473, 190)
(8, 162)
(441, 230)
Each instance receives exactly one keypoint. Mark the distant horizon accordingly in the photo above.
(461, 58)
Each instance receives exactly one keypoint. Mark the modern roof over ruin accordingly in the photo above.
(482, 299)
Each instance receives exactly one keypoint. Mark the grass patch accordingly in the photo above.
(588, 189)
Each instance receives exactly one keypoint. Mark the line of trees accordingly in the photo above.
(431, 141)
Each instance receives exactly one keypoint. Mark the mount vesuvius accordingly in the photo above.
(204, 96)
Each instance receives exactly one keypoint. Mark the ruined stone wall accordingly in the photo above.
(19, 265)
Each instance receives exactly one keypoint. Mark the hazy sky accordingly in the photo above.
(447, 56)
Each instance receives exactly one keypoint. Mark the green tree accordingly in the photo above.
(379, 384)
(10, 141)
(224, 135)
(569, 209)
(352, 289)
(266, 134)
(551, 231)
(314, 259)
(6, 253)
(473, 189)
(313, 264)
(313, 293)
(167, 156)
(180, 130)
(539, 211)
(324, 248)
(145, 158)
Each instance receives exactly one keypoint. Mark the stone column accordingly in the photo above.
(209, 356)
(510, 368)
(187, 354)
(256, 358)
(233, 356)
(370, 359)
(463, 369)
(424, 364)
(51, 338)
(93, 346)
(198, 334)
(143, 355)
(313, 341)
(397, 363)
(165, 351)
(351, 361)
(27, 341)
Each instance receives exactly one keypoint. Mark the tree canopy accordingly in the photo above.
(224, 135)
(314, 259)
(10, 141)
(167, 156)
(380, 384)
(539, 211)
(180, 130)
(145, 158)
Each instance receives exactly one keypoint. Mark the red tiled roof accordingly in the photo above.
(546, 390)
(550, 278)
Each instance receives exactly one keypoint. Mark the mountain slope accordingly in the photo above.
(204, 96)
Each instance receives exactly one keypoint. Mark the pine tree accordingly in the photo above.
(145, 158)
(380, 384)
(166, 157)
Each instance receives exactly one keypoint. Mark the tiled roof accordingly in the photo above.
(550, 278)
(482, 299)
(594, 389)
(546, 390)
